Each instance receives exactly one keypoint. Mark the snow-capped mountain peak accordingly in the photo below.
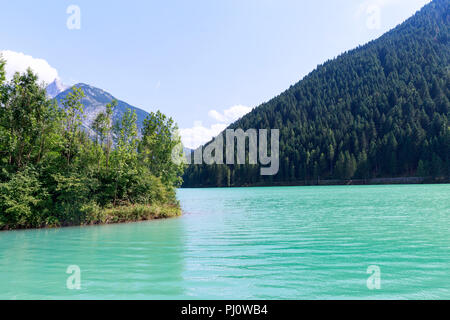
(55, 88)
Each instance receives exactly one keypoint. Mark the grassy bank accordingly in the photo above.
(130, 213)
(95, 215)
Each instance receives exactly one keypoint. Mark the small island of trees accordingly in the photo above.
(56, 172)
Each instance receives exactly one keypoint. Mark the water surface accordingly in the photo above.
(249, 243)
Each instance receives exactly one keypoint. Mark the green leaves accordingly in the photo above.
(27, 119)
(72, 120)
(126, 136)
(54, 172)
(2, 71)
(23, 200)
(159, 139)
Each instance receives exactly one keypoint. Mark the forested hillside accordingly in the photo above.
(381, 110)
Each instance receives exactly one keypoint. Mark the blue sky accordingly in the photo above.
(203, 62)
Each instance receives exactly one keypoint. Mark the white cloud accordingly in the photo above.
(230, 115)
(19, 62)
(199, 134)
(216, 116)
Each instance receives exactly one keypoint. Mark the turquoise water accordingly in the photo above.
(249, 243)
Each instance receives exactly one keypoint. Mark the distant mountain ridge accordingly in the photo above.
(95, 101)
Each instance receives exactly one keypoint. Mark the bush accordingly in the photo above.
(23, 201)
(72, 193)
(140, 213)
(92, 213)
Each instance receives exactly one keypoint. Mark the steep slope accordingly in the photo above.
(381, 110)
(95, 101)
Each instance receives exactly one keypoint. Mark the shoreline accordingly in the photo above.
(116, 215)
(338, 182)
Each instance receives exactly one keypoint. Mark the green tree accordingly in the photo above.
(421, 169)
(27, 119)
(23, 201)
(73, 116)
(159, 139)
(109, 128)
(2, 71)
(124, 155)
(53, 173)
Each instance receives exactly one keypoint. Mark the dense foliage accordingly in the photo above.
(53, 173)
(381, 110)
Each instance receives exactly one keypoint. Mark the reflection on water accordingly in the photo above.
(249, 243)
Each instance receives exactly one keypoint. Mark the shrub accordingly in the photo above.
(23, 201)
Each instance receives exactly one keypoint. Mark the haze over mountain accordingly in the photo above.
(380, 110)
(95, 101)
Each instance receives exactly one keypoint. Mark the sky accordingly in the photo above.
(203, 62)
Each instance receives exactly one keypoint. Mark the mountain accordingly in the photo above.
(380, 110)
(95, 101)
(55, 88)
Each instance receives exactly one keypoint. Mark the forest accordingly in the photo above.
(53, 173)
(380, 110)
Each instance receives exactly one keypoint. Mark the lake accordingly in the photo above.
(249, 243)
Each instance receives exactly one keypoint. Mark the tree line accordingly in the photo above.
(54, 172)
(380, 110)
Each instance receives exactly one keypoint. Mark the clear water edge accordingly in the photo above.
(248, 243)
